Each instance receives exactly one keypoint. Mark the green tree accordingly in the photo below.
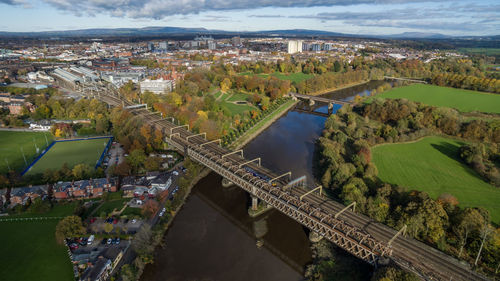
(70, 226)
(136, 159)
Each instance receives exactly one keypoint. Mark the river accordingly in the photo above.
(213, 238)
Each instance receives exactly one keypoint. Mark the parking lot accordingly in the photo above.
(129, 226)
(115, 155)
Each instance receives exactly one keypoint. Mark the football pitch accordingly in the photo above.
(14, 143)
(75, 152)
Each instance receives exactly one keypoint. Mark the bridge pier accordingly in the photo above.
(330, 108)
(314, 237)
(226, 183)
(258, 208)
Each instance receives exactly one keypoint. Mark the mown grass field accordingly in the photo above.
(433, 165)
(294, 77)
(462, 100)
(228, 100)
(11, 143)
(30, 251)
(71, 152)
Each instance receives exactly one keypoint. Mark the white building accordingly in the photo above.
(212, 45)
(159, 86)
(294, 46)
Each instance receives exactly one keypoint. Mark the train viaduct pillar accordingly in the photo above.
(257, 207)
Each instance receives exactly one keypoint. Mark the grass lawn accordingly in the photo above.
(59, 210)
(294, 77)
(109, 206)
(433, 165)
(462, 100)
(71, 152)
(30, 252)
(10, 148)
(238, 97)
(132, 212)
(227, 101)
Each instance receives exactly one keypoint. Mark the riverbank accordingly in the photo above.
(156, 234)
(263, 124)
(325, 91)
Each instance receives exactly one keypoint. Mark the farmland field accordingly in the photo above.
(71, 152)
(462, 100)
(11, 143)
(434, 166)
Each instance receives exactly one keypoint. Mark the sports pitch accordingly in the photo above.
(13, 144)
(86, 151)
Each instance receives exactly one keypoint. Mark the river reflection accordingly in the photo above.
(213, 238)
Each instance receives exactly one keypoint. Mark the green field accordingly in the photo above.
(30, 251)
(71, 152)
(482, 51)
(433, 165)
(462, 100)
(294, 77)
(11, 143)
(227, 101)
(108, 207)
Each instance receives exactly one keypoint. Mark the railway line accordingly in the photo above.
(352, 231)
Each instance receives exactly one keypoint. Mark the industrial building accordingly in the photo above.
(66, 78)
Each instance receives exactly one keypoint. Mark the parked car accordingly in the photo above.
(92, 220)
(91, 239)
(103, 242)
(162, 212)
(73, 246)
(175, 173)
(134, 221)
(109, 241)
(115, 221)
(83, 242)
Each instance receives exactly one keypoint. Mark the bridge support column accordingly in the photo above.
(330, 108)
(226, 183)
(257, 208)
(255, 203)
(314, 237)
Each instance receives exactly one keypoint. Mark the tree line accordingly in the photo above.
(346, 168)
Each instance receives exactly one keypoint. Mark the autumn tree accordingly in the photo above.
(70, 226)
(150, 208)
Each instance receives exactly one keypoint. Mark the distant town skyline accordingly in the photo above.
(461, 17)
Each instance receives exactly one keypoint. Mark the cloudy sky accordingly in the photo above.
(459, 17)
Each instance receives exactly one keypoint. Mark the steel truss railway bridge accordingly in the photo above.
(355, 233)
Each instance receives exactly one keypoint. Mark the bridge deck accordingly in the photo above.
(318, 98)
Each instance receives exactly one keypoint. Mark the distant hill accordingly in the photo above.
(170, 31)
(419, 35)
